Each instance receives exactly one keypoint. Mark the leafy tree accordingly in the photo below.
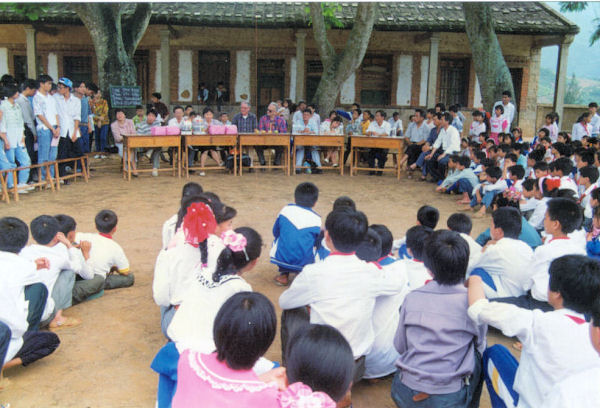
(573, 94)
(579, 6)
(30, 10)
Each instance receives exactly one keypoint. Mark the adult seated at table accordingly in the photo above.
(123, 126)
(245, 121)
(145, 128)
(378, 128)
(271, 123)
(416, 136)
(307, 127)
(208, 122)
(332, 126)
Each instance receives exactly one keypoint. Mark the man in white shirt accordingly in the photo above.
(69, 113)
(48, 124)
(396, 124)
(448, 142)
(378, 128)
(416, 136)
(509, 108)
(595, 123)
(28, 89)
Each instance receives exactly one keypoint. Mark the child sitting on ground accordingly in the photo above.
(485, 193)
(439, 363)
(587, 178)
(416, 272)
(556, 344)
(505, 260)
(296, 228)
(168, 228)
(106, 255)
(462, 224)
(428, 217)
(593, 242)
(462, 180)
(321, 250)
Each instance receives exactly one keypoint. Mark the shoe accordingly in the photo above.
(372, 173)
(317, 171)
(222, 164)
(154, 172)
(380, 173)
(201, 173)
(281, 280)
(103, 156)
(25, 187)
(21, 191)
(335, 165)
(97, 156)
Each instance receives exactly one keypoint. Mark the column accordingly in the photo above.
(528, 113)
(561, 76)
(300, 42)
(434, 45)
(31, 52)
(165, 67)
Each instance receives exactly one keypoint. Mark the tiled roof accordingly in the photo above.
(510, 17)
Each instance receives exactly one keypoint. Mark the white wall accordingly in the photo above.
(242, 76)
(477, 102)
(4, 61)
(348, 92)
(185, 76)
(404, 67)
(53, 66)
(424, 75)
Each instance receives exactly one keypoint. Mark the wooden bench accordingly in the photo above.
(209, 141)
(320, 141)
(267, 139)
(362, 142)
(39, 184)
(78, 163)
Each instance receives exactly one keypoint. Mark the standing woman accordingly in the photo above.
(582, 127)
(101, 123)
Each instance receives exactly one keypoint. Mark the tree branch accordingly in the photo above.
(326, 50)
(135, 26)
(359, 37)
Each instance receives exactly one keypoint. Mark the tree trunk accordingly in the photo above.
(337, 68)
(115, 39)
(490, 66)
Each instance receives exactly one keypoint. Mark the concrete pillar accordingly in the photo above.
(561, 76)
(528, 113)
(165, 67)
(31, 52)
(300, 42)
(434, 45)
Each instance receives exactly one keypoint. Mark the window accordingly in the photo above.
(314, 70)
(20, 68)
(213, 67)
(376, 80)
(454, 81)
(78, 68)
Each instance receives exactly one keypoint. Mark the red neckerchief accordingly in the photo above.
(553, 239)
(576, 319)
(584, 195)
(342, 253)
(105, 235)
(377, 265)
(417, 260)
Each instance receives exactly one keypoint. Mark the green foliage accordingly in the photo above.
(573, 6)
(329, 11)
(32, 11)
(573, 91)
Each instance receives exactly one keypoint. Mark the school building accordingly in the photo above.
(418, 55)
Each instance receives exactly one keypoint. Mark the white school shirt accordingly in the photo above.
(530, 204)
(326, 129)
(69, 110)
(341, 292)
(567, 183)
(396, 125)
(554, 346)
(385, 128)
(16, 272)
(416, 273)
(476, 129)
(536, 220)
(45, 105)
(499, 185)
(595, 124)
(543, 257)
(386, 314)
(507, 261)
(576, 391)
(509, 111)
(168, 230)
(104, 254)
(585, 200)
(448, 140)
(474, 249)
(173, 273)
(580, 130)
(192, 324)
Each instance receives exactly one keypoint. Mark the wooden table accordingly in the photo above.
(131, 142)
(267, 139)
(209, 140)
(370, 142)
(320, 141)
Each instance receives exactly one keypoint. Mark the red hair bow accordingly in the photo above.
(198, 223)
(552, 184)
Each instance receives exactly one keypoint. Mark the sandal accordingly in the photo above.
(281, 280)
(67, 322)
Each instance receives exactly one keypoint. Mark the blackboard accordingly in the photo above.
(125, 96)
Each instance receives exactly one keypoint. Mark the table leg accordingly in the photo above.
(123, 161)
(293, 160)
(179, 161)
(186, 164)
(235, 160)
(341, 159)
(128, 164)
(241, 155)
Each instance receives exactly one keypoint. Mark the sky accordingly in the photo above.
(583, 59)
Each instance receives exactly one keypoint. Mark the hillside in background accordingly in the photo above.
(579, 90)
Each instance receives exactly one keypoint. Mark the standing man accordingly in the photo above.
(509, 108)
(378, 128)
(447, 144)
(48, 125)
(69, 113)
(86, 123)
(271, 123)
(160, 107)
(416, 135)
(28, 89)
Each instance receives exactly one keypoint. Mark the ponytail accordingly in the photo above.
(242, 246)
(225, 265)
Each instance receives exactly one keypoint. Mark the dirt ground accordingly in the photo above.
(105, 362)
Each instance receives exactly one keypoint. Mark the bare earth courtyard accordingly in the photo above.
(105, 362)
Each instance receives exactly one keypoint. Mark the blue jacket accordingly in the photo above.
(593, 248)
(295, 230)
(528, 235)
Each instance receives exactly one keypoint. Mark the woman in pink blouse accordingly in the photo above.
(123, 126)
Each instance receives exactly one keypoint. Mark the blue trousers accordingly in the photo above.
(499, 370)
(46, 152)
(486, 199)
(101, 134)
(314, 154)
(9, 159)
(464, 186)
(36, 294)
(5, 335)
(84, 140)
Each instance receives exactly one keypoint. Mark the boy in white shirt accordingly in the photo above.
(462, 224)
(504, 262)
(64, 261)
(587, 178)
(485, 193)
(107, 257)
(416, 272)
(20, 312)
(556, 344)
(341, 291)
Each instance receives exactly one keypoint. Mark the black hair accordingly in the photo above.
(359, 111)
(157, 95)
(10, 90)
(493, 148)
(529, 184)
(583, 116)
(346, 228)
(586, 156)
(441, 106)
(577, 279)
(596, 194)
(244, 329)
(320, 357)
(381, 112)
(306, 195)
(343, 202)
(224, 213)
(509, 220)
(421, 112)
(447, 117)
(545, 131)
(453, 108)
(511, 156)
(44, 228)
(29, 83)
(592, 105)
(590, 172)
(369, 249)
(595, 313)
(211, 197)
(564, 165)
(454, 158)
(507, 93)
(500, 200)
(139, 107)
(500, 108)
(93, 87)
(566, 212)
(151, 111)
(488, 162)
(480, 155)
(517, 170)
(42, 79)
(119, 110)
(541, 165)
(66, 223)
(464, 161)
(106, 221)
(14, 234)
(477, 113)
(415, 240)
(446, 255)
(387, 239)
(231, 262)
(536, 155)
(494, 172)
(428, 216)
(460, 222)
(191, 188)
(307, 110)
(206, 110)
(178, 107)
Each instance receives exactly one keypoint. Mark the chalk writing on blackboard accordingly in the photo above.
(122, 96)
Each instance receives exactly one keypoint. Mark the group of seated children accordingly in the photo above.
(39, 281)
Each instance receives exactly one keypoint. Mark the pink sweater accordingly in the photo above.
(118, 130)
(204, 381)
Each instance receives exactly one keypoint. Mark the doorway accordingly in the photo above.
(271, 81)
(142, 68)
